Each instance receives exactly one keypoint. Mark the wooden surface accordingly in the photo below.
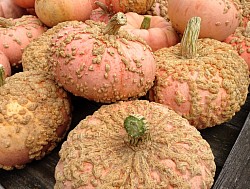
(232, 166)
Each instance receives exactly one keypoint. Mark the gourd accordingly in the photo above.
(134, 144)
(16, 34)
(102, 63)
(155, 30)
(219, 18)
(35, 115)
(25, 3)
(159, 8)
(204, 80)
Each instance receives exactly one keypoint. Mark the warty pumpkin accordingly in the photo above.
(35, 114)
(220, 18)
(5, 67)
(132, 145)
(102, 63)
(204, 80)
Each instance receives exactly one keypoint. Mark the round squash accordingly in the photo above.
(102, 63)
(207, 84)
(134, 144)
(155, 30)
(52, 12)
(219, 18)
(35, 115)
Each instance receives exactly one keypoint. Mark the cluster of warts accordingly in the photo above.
(100, 142)
(31, 102)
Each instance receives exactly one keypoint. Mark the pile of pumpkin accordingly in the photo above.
(162, 70)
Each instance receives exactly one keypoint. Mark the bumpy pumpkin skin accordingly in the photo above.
(159, 8)
(97, 153)
(35, 115)
(103, 68)
(159, 34)
(240, 40)
(35, 55)
(140, 7)
(220, 18)
(206, 90)
(16, 34)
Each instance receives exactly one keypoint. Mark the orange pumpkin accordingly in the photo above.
(219, 18)
(16, 34)
(102, 63)
(52, 12)
(25, 3)
(10, 10)
(155, 30)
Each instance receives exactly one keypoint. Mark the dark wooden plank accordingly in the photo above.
(235, 173)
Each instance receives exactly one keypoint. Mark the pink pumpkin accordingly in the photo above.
(219, 18)
(16, 34)
(102, 63)
(155, 30)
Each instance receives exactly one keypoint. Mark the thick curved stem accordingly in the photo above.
(2, 75)
(145, 23)
(137, 129)
(190, 38)
(102, 6)
(114, 24)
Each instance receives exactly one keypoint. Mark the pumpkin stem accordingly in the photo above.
(103, 7)
(145, 23)
(114, 24)
(137, 129)
(2, 75)
(5, 23)
(190, 38)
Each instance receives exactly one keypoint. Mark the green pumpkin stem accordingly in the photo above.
(2, 75)
(190, 38)
(145, 23)
(137, 129)
(114, 24)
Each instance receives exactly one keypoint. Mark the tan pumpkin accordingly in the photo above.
(219, 18)
(155, 30)
(207, 84)
(16, 34)
(35, 115)
(134, 144)
(102, 63)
